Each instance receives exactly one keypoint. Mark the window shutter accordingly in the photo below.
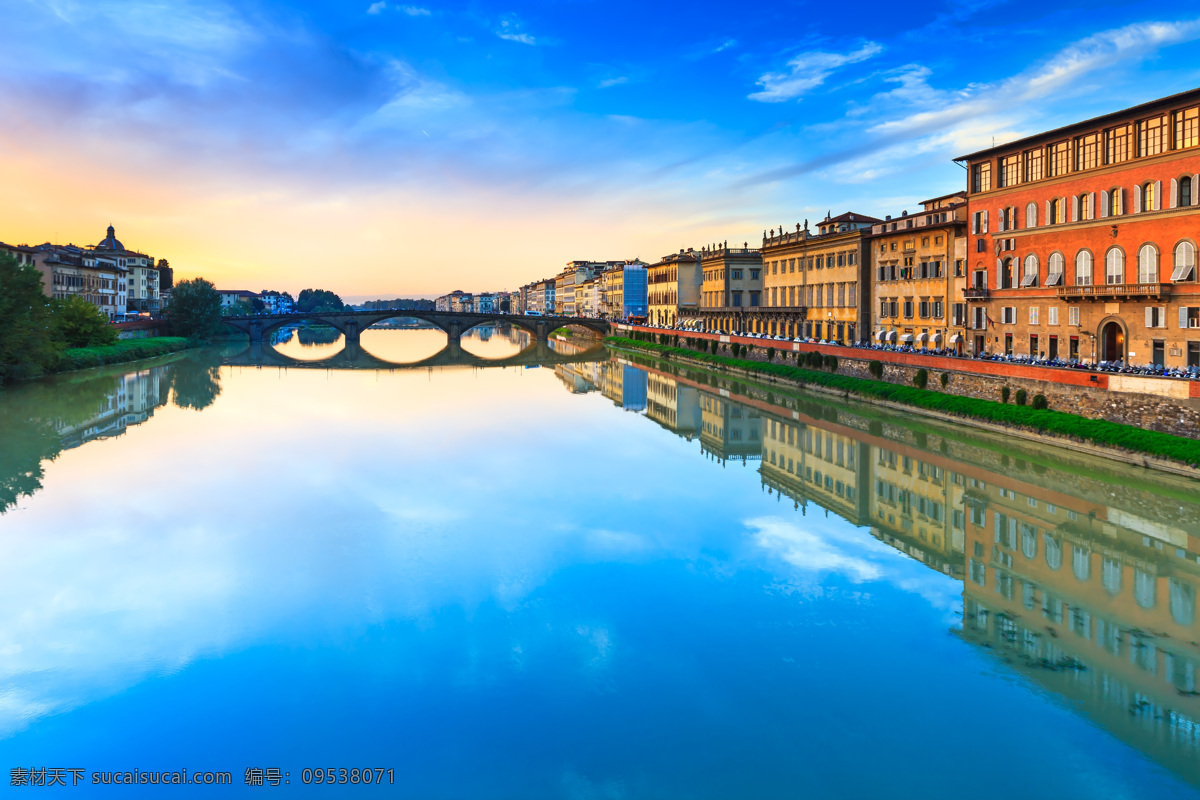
(1137, 199)
(1174, 193)
(1183, 316)
(1149, 317)
(1091, 205)
(1047, 212)
(1162, 316)
(1195, 188)
(1103, 204)
(1075, 208)
(1157, 196)
(999, 274)
(1120, 209)
(1000, 222)
(985, 222)
(975, 223)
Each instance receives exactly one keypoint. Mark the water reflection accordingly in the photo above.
(1074, 576)
(1080, 575)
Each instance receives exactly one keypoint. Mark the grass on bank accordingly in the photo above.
(124, 350)
(1096, 431)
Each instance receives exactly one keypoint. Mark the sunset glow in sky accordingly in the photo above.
(382, 149)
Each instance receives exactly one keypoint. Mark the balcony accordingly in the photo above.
(1108, 290)
(975, 293)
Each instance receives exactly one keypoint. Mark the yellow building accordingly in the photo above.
(916, 507)
(673, 288)
(919, 269)
(673, 405)
(807, 462)
(818, 284)
(729, 430)
(731, 288)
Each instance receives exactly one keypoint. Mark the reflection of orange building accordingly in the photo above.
(1090, 607)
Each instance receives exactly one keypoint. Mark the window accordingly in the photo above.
(1073, 315)
(1185, 262)
(1087, 151)
(1060, 159)
(908, 309)
(1189, 317)
(1008, 315)
(1033, 316)
(1054, 209)
(1184, 197)
(923, 309)
(1007, 278)
(1034, 160)
(1031, 215)
(1149, 197)
(1114, 266)
(1113, 201)
(1156, 317)
(1086, 211)
(1054, 270)
(1118, 143)
(737, 275)
(938, 309)
(1010, 171)
(981, 177)
(1148, 264)
(883, 308)
(1152, 136)
(1187, 128)
(754, 273)
(1031, 271)
(1052, 315)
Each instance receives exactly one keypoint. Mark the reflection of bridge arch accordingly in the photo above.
(351, 324)
(353, 357)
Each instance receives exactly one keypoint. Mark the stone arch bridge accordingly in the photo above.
(351, 324)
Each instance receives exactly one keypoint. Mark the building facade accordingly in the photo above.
(731, 291)
(1083, 240)
(918, 263)
(673, 288)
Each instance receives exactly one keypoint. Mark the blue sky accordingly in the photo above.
(380, 148)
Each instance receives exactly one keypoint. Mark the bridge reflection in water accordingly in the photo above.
(353, 355)
(1078, 574)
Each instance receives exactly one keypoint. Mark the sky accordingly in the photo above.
(381, 149)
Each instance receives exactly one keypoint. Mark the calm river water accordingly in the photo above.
(599, 578)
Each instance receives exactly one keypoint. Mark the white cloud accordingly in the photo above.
(725, 45)
(510, 30)
(604, 84)
(377, 8)
(808, 71)
(815, 552)
(415, 11)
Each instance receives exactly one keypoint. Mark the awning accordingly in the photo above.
(879, 335)
(955, 339)
(891, 337)
(937, 340)
(906, 338)
(921, 337)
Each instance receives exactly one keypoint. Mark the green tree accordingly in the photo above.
(28, 344)
(238, 308)
(195, 309)
(78, 323)
(196, 380)
(318, 300)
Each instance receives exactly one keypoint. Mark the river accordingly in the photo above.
(576, 576)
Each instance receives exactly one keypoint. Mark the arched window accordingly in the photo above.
(1114, 266)
(1149, 201)
(1029, 543)
(1148, 264)
(1183, 602)
(1054, 212)
(1185, 262)
(1085, 210)
(1053, 551)
(1185, 190)
(1083, 268)
(1030, 276)
(1031, 215)
(1110, 576)
(1143, 588)
(1007, 277)
(1081, 562)
(1054, 269)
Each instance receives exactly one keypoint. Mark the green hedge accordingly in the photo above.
(1097, 431)
(123, 350)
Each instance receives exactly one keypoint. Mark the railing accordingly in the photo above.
(1116, 290)
(975, 293)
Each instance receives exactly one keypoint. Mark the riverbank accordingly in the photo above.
(125, 350)
(1057, 427)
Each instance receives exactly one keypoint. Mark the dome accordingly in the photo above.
(110, 242)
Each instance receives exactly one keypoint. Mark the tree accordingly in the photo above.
(195, 309)
(238, 308)
(78, 323)
(505, 305)
(318, 300)
(28, 345)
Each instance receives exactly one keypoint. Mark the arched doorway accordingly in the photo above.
(1112, 342)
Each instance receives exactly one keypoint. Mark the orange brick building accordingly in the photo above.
(1082, 241)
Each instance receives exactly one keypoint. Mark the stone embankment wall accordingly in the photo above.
(1167, 405)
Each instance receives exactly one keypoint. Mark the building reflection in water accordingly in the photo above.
(1080, 576)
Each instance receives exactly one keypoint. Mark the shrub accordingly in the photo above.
(124, 350)
(876, 369)
(1040, 402)
(770, 354)
(921, 379)
(1004, 393)
(1022, 395)
(945, 379)
(831, 363)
